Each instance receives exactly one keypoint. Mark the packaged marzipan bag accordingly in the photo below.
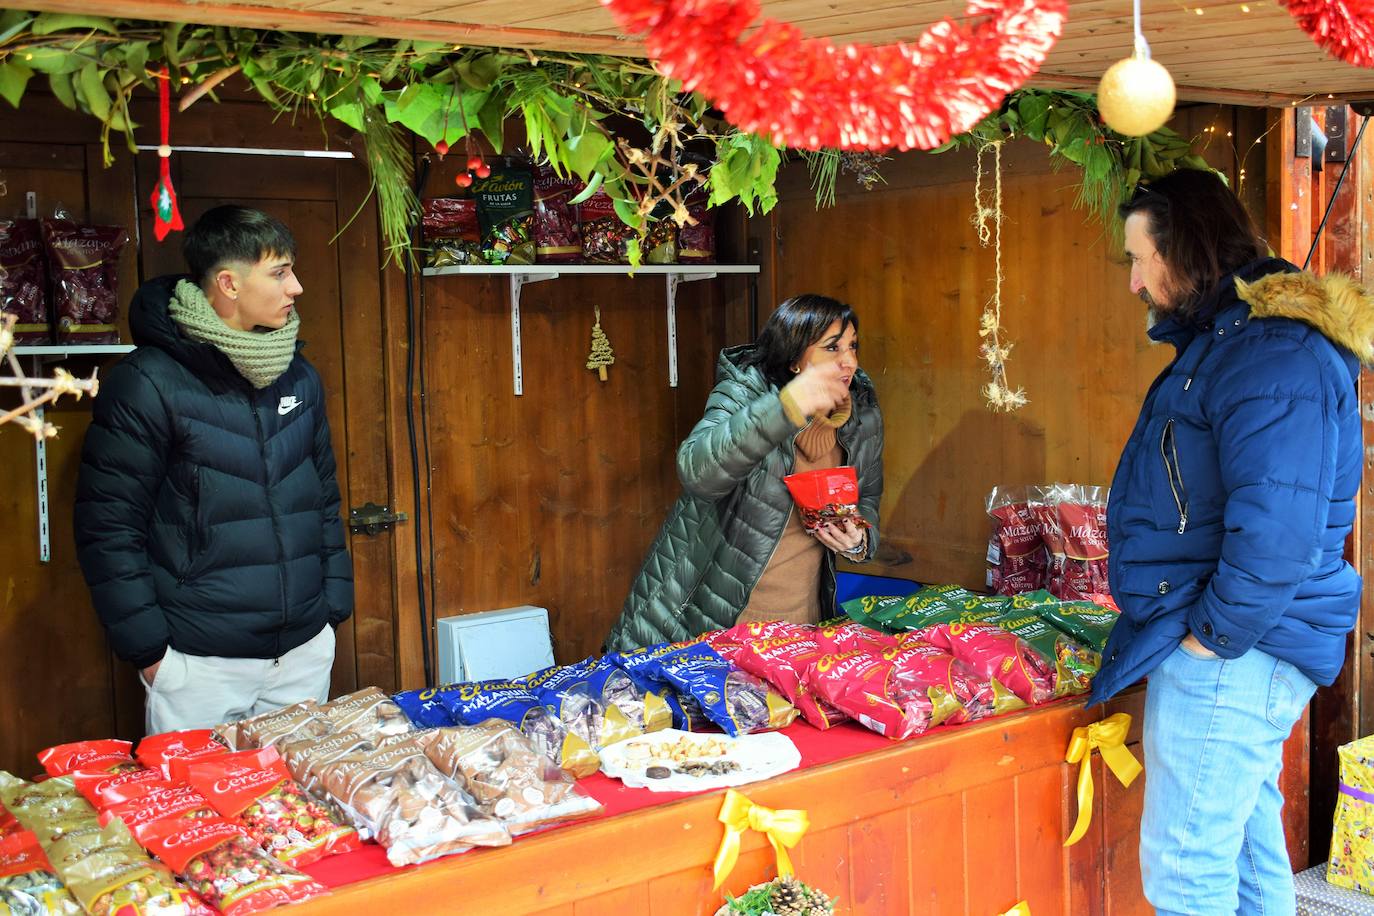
(28, 884)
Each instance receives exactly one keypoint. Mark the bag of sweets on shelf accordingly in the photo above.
(111, 875)
(937, 604)
(642, 667)
(977, 697)
(83, 262)
(738, 702)
(138, 806)
(222, 864)
(451, 231)
(557, 238)
(1086, 622)
(837, 638)
(1017, 560)
(1352, 836)
(28, 884)
(993, 653)
(299, 720)
(99, 788)
(782, 661)
(868, 687)
(23, 281)
(368, 712)
(576, 695)
(505, 213)
(1082, 514)
(155, 751)
(1073, 664)
(412, 809)
(517, 703)
(696, 241)
(506, 775)
(256, 788)
(605, 238)
(105, 756)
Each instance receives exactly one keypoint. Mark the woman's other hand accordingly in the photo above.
(842, 536)
(820, 388)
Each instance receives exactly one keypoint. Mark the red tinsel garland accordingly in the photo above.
(1345, 30)
(806, 93)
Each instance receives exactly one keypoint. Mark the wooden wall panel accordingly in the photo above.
(908, 260)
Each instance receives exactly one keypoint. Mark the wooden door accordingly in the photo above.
(341, 324)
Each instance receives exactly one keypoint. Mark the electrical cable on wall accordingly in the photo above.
(1350, 157)
(419, 501)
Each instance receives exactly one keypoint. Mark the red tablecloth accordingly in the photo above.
(817, 747)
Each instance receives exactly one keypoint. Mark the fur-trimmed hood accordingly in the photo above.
(1341, 309)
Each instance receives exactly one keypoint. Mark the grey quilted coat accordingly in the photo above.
(721, 533)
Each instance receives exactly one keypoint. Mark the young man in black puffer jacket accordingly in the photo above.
(207, 511)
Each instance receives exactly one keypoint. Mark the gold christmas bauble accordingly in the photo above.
(1135, 96)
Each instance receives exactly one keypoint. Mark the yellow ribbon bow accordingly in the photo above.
(784, 830)
(1109, 737)
(1021, 909)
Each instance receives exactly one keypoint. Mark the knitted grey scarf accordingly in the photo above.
(259, 356)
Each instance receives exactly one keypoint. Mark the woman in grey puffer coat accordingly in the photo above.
(732, 547)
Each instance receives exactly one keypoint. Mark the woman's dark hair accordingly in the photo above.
(795, 325)
(234, 234)
(1200, 229)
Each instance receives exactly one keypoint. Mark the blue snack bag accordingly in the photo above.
(516, 702)
(426, 707)
(576, 693)
(736, 701)
(641, 666)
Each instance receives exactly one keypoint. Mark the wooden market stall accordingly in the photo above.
(525, 494)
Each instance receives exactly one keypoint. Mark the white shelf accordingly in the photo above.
(63, 351)
(520, 275)
(574, 269)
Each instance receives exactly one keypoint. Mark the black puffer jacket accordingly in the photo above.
(207, 511)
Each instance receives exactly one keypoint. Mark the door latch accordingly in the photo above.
(372, 518)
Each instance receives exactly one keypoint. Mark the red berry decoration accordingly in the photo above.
(808, 93)
(482, 171)
(474, 162)
(464, 180)
(441, 148)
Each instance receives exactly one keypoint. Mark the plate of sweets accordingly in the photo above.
(678, 761)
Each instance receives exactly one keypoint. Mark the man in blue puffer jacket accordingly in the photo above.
(1228, 519)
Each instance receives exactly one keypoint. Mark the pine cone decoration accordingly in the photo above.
(789, 898)
(818, 902)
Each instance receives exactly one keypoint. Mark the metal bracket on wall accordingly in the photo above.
(673, 281)
(517, 281)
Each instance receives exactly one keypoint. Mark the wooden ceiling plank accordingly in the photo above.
(334, 23)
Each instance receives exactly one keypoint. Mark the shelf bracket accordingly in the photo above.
(40, 455)
(517, 281)
(673, 281)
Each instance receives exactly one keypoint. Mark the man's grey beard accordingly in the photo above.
(1153, 313)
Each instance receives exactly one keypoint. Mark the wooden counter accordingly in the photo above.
(967, 821)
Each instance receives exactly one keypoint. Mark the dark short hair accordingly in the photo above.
(795, 325)
(232, 233)
(1201, 231)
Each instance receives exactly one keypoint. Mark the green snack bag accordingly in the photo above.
(1074, 664)
(505, 213)
(938, 604)
(861, 609)
(1089, 624)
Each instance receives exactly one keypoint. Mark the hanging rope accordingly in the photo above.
(988, 219)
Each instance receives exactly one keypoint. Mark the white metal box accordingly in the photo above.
(510, 642)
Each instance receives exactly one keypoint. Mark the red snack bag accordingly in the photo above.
(1103, 599)
(138, 806)
(256, 787)
(105, 756)
(826, 495)
(868, 687)
(726, 643)
(696, 241)
(557, 239)
(1044, 509)
(1082, 515)
(22, 281)
(156, 751)
(221, 863)
(83, 262)
(977, 697)
(993, 653)
(846, 637)
(604, 236)
(98, 788)
(767, 629)
(9, 824)
(1016, 554)
(451, 231)
(782, 660)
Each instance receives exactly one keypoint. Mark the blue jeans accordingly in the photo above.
(1211, 837)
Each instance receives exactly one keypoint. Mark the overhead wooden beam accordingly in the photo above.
(340, 23)
(1215, 95)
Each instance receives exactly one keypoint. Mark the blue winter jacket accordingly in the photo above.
(1234, 496)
